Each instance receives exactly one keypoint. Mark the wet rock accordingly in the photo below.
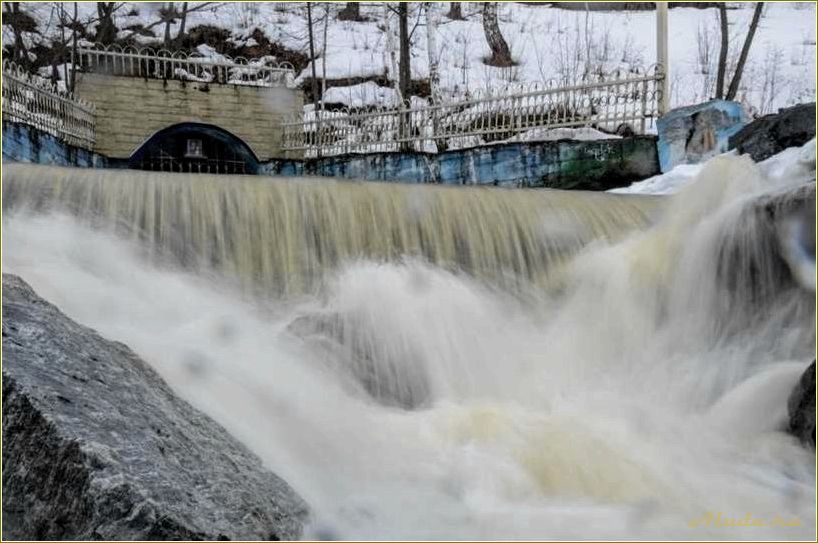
(771, 134)
(97, 446)
(388, 369)
(753, 261)
(801, 408)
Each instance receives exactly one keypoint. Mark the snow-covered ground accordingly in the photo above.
(550, 44)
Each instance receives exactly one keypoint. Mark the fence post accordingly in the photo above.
(644, 106)
(662, 54)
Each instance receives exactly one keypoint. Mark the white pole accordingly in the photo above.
(661, 55)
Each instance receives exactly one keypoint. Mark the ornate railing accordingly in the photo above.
(35, 101)
(163, 64)
(624, 98)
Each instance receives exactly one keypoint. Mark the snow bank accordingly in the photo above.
(789, 167)
(551, 134)
(666, 183)
(549, 44)
(362, 95)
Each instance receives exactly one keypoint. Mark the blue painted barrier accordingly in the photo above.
(692, 134)
(566, 164)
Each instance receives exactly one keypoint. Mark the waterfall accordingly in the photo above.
(461, 363)
(281, 237)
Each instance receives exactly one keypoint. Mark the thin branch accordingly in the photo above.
(745, 50)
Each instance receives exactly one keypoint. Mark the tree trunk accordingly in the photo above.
(455, 11)
(405, 59)
(390, 52)
(316, 107)
(405, 69)
(13, 17)
(431, 49)
(106, 29)
(745, 50)
(74, 52)
(351, 12)
(722, 68)
(500, 54)
(168, 14)
(64, 45)
(311, 38)
(434, 71)
(182, 24)
(324, 53)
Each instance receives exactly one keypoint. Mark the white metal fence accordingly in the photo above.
(164, 64)
(607, 103)
(33, 100)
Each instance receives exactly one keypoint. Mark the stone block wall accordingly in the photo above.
(130, 110)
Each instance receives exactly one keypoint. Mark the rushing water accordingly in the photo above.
(281, 237)
(423, 362)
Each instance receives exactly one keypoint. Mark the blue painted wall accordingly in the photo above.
(24, 143)
(566, 164)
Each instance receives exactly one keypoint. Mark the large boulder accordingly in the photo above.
(759, 269)
(97, 446)
(801, 408)
(771, 134)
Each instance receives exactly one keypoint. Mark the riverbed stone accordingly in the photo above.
(771, 134)
(97, 446)
(801, 408)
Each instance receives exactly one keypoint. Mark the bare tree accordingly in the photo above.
(431, 49)
(315, 102)
(722, 68)
(405, 57)
(106, 28)
(311, 37)
(455, 11)
(390, 51)
(721, 76)
(500, 53)
(745, 50)
(168, 15)
(74, 53)
(63, 46)
(182, 23)
(20, 22)
(405, 67)
(434, 71)
(351, 12)
(327, 6)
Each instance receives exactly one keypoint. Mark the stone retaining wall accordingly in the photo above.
(564, 164)
(129, 110)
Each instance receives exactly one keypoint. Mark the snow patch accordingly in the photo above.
(361, 95)
(790, 167)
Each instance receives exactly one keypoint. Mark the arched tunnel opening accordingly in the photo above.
(195, 148)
